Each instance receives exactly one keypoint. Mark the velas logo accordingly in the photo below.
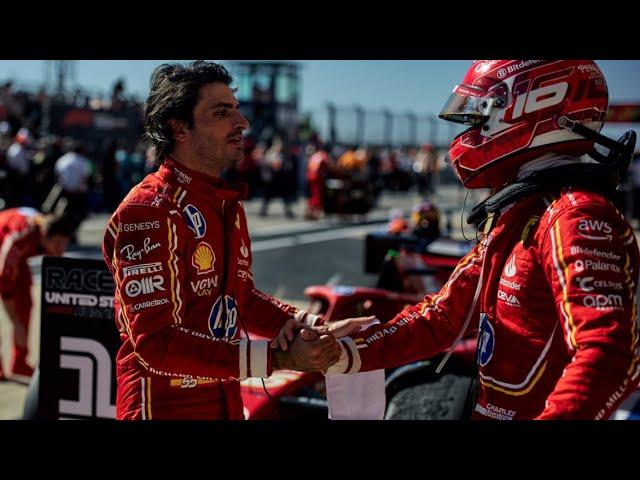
(243, 249)
(203, 258)
(195, 220)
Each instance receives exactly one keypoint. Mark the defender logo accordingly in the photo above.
(144, 286)
(93, 363)
(195, 220)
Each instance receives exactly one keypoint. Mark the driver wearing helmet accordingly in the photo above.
(551, 286)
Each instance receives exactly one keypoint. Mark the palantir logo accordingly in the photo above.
(223, 318)
(195, 220)
(93, 363)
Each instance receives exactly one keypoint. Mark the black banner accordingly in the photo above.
(96, 125)
(79, 340)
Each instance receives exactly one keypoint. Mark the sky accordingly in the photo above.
(420, 86)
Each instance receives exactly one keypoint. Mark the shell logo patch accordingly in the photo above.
(203, 258)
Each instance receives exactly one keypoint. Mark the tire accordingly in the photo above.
(443, 399)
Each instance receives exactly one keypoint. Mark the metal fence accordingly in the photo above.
(357, 126)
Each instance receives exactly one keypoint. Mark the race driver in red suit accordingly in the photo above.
(551, 285)
(179, 249)
(25, 233)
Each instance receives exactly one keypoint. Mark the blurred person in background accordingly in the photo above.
(74, 172)
(19, 159)
(25, 233)
(277, 174)
(318, 168)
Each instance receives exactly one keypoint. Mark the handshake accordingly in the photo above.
(312, 348)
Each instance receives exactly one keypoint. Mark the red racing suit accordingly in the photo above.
(551, 289)
(19, 241)
(179, 250)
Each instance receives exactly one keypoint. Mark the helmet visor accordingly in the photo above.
(466, 105)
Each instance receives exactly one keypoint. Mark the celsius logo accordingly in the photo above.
(510, 269)
(195, 220)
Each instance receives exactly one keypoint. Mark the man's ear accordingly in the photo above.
(178, 129)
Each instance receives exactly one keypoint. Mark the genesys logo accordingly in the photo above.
(595, 229)
(144, 286)
(138, 227)
(142, 269)
(195, 220)
(588, 284)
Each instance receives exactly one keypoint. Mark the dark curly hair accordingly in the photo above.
(174, 94)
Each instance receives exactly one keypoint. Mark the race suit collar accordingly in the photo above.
(202, 183)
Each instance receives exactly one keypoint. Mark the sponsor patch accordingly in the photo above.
(144, 286)
(142, 269)
(138, 227)
(195, 220)
(223, 317)
(203, 258)
(132, 254)
(151, 303)
(486, 340)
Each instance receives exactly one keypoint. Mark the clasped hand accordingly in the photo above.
(312, 349)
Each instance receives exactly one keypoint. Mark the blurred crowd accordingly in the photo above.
(54, 173)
